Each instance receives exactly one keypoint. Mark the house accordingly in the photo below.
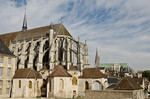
(126, 89)
(26, 83)
(131, 84)
(92, 79)
(7, 70)
(139, 74)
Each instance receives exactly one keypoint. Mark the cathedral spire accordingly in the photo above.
(24, 27)
(97, 59)
(51, 26)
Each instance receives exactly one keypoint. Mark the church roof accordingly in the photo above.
(128, 84)
(92, 73)
(112, 64)
(73, 68)
(34, 33)
(60, 72)
(4, 49)
(27, 73)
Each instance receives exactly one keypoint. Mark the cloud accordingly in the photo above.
(119, 28)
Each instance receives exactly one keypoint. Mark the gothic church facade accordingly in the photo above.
(59, 63)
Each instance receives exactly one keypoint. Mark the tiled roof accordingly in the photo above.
(4, 49)
(128, 84)
(34, 33)
(6, 38)
(92, 73)
(60, 72)
(73, 68)
(27, 73)
(140, 71)
(139, 80)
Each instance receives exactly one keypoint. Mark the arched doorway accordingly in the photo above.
(86, 85)
(44, 88)
(97, 85)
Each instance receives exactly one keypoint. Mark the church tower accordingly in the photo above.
(97, 59)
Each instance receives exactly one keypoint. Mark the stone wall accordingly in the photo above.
(114, 94)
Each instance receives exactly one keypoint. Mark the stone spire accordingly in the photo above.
(24, 27)
(97, 59)
(51, 26)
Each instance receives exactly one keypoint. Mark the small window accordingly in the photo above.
(74, 81)
(9, 60)
(7, 91)
(30, 84)
(1, 82)
(61, 84)
(8, 83)
(0, 91)
(19, 83)
(37, 84)
(9, 72)
(1, 59)
(1, 71)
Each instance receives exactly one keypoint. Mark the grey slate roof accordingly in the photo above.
(112, 80)
(4, 49)
(111, 86)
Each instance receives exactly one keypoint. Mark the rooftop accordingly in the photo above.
(4, 49)
(27, 73)
(34, 33)
(92, 73)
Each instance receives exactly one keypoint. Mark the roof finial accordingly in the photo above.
(24, 27)
(51, 26)
(97, 59)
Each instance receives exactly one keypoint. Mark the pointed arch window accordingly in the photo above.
(37, 84)
(74, 81)
(30, 84)
(86, 85)
(61, 84)
(19, 83)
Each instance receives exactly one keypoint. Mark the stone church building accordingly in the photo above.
(51, 63)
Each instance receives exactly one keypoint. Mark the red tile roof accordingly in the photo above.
(60, 72)
(34, 33)
(27, 73)
(128, 84)
(92, 73)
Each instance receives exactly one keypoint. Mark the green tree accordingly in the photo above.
(146, 74)
(121, 73)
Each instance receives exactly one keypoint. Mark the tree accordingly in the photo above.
(121, 74)
(146, 74)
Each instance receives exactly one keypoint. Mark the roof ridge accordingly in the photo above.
(28, 73)
(130, 83)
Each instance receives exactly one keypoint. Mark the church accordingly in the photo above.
(51, 63)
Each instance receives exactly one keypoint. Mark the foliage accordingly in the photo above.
(146, 74)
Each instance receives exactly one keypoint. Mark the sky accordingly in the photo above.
(120, 29)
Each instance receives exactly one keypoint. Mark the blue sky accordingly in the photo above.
(118, 28)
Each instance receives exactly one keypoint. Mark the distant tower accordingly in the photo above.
(97, 59)
(24, 27)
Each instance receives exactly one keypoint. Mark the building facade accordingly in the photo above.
(61, 61)
(7, 70)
